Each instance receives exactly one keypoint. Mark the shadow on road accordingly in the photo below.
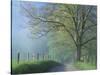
(59, 68)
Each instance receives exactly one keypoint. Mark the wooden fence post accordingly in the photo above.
(37, 56)
(43, 56)
(28, 56)
(18, 57)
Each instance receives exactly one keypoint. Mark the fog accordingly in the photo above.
(21, 41)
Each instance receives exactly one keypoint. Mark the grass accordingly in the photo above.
(85, 66)
(33, 67)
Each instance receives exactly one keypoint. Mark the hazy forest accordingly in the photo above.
(53, 37)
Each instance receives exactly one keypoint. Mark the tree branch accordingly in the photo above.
(87, 28)
(93, 38)
(44, 20)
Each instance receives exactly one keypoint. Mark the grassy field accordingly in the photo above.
(85, 66)
(33, 67)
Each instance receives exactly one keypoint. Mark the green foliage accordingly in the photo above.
(33, 67)
(59, 45)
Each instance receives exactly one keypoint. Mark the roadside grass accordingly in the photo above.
(85, 66)
(33, 67)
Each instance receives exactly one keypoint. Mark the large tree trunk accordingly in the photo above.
(79, 53)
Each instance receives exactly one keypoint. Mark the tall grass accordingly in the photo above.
(33, 67)
(85, 66)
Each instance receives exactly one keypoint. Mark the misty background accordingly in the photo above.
(21, 40)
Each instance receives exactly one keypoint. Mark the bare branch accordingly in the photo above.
(87, 28)
(85, 17)
(93, 38)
